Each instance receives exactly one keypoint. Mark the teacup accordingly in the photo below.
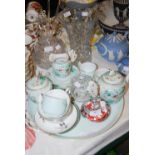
(87, 68)
(54, 104)
(61, 67)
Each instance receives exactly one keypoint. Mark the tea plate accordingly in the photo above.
(87, 129)
(55, 127)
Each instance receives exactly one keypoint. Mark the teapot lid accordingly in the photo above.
(113, 77)
(36, 83)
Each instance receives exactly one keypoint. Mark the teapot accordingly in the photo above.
(112, 86)
(113, 47)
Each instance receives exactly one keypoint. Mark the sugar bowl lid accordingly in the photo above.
(36, 83)
(113, 77)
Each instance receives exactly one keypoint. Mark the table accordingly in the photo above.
(52, 145)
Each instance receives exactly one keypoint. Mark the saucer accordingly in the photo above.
(96, 115)
(64, 82)
(55, 127)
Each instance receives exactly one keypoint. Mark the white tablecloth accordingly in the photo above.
(52, 145)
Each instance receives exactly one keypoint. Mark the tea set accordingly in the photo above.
(56, 102)
(62, 91)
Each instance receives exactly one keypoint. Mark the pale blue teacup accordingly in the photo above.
(54, 104)
(61, 67)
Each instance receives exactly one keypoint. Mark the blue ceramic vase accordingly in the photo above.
(113, 47)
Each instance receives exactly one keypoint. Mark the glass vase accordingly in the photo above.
(79, 25)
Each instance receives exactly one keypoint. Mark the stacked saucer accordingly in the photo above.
(56, 114)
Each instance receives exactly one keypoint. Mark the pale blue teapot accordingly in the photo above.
(113, 47)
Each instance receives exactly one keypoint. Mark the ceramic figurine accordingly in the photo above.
(113, 47)
(112, 86)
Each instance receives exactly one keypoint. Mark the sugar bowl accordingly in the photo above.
(112, 86)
